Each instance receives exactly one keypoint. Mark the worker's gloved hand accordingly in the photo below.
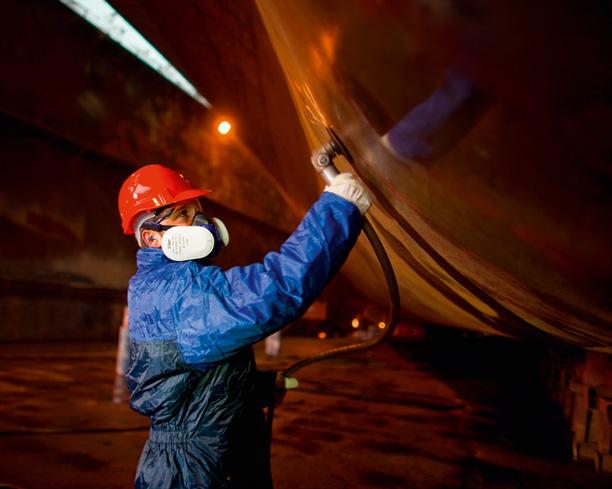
(348, 187)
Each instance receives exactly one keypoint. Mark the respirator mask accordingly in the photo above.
(205, 238)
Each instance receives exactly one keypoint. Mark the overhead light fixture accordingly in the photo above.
(224, 127)
(104, 17)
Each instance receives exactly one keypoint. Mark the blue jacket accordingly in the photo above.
(192, 370)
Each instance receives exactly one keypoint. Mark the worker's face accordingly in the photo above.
(179, 215)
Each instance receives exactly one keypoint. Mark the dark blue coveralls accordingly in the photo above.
(192, 369)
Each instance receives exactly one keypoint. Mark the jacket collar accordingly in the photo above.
(150, 257)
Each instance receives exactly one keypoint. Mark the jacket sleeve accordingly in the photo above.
(243, 305)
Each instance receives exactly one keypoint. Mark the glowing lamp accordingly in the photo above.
(224, 128)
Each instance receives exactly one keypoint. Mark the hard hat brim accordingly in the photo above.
(177, 199)
(191, 194)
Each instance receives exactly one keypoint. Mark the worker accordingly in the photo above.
(192, 325)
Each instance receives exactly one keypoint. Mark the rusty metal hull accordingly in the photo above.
(483, 130)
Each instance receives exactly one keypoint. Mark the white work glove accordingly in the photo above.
(348, 187)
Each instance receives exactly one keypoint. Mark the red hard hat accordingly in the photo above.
(152, 187)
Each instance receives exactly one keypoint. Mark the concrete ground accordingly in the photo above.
(435, 414)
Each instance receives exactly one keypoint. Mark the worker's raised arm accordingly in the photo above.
(246, 304)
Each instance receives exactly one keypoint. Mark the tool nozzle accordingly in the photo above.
(323, 158)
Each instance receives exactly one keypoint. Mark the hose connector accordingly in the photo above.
(324, 165)
(323, 158)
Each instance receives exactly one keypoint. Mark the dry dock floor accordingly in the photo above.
(434, 414)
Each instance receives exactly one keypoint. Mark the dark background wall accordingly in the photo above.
(64, 264)
(78, 114)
